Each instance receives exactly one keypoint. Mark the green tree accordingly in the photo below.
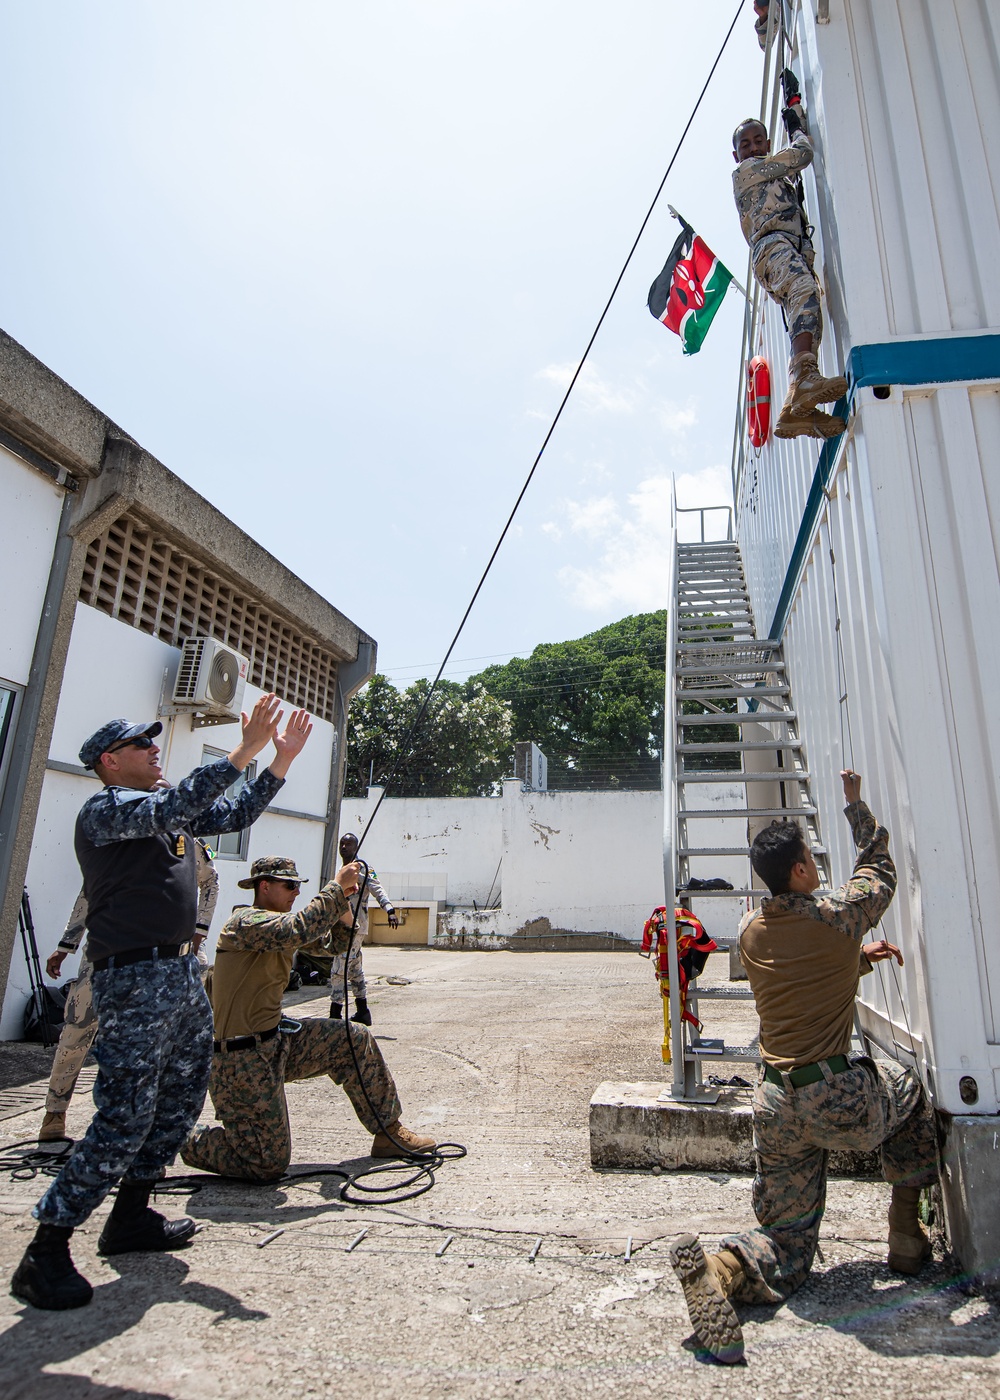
(463, 747)
(594, 706)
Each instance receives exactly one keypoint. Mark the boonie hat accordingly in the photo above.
(271, 868)
(114, 732)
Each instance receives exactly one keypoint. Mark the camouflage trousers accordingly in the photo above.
(355, 974)
(787, 277)
(247, 1088)
(867, 1106)
(153, 1052)
(75, 1040)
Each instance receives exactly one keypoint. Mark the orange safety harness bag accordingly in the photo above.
(693, 948)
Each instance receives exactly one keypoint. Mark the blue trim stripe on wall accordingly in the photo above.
(940, 361)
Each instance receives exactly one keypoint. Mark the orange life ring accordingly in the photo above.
(758, 401)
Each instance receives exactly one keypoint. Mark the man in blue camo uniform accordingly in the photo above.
(135, 842)
(804, 953)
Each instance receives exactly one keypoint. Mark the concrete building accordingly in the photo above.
(110, 564)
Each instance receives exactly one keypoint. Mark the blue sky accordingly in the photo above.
(334, 264)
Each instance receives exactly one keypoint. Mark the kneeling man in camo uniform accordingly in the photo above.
(804, 954)
(257, 1050)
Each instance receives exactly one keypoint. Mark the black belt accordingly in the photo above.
(134, 955)
(807, 1074)
(244, 1042)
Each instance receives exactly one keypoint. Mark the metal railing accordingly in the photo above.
(700, 511)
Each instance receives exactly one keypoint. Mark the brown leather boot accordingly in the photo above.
(398, 1141)
(809, 387)
(53, 1128)
(709, 1281)
(814, 424)
(909, 1247)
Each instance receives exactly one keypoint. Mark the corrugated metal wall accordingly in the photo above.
(904, 99)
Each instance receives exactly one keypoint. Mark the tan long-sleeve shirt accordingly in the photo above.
(802, 953)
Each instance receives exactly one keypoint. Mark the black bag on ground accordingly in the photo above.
(43, 1015)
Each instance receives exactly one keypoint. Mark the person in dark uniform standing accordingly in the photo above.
(136, 846)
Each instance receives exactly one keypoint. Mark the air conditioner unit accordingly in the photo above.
(211, 678)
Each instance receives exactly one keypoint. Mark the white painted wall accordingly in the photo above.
(416, 841)
(31, 505)
(588, 862)
(113, 669)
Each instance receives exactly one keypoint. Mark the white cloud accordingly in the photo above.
(592, 393)
(672, 418)
(629, 546)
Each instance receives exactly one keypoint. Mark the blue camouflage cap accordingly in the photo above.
(112, 733)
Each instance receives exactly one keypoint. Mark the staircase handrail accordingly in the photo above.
(670, 804)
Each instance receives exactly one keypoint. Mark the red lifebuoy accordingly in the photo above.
(758, 401)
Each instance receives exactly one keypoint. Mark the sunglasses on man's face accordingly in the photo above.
(141, 741)
(289, 884)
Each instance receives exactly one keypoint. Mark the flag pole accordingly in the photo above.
(738, 285)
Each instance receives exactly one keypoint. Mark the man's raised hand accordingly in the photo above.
(291, 742)
(852, 785)
(259, 728)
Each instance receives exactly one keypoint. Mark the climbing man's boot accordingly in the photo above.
(47, 1277)
(133, 1227)
(361, 1013)
(814, 424)
(709, 1281)
(808, 387)
(53, 1128)
(398, 1141)
(909, 1247)
(336, 1010)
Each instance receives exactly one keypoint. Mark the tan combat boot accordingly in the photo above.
(809, 387)
(398, 1141)
(53, 1127)
(709, 1281)
(909, 1247)
(814, 424)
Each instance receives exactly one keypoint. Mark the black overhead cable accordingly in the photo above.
(552, 427)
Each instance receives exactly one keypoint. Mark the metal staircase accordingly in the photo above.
(723, 675)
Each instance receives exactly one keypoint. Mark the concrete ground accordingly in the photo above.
(499, 1051)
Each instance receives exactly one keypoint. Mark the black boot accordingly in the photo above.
(336, 1010)
(47, 1277)
(361, 1013)
(132, 1227)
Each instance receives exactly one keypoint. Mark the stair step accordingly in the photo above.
(712, 631)
(728, 668)
(744, 893)
(779, 717)
(703, 813)
(745, 746)
(720, 993)
(735, 693)
(686, 851)
(731, 1054)
(737, 775)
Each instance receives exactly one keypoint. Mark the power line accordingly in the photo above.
(559, 412)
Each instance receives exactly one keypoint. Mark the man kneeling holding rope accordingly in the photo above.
(257, 1050)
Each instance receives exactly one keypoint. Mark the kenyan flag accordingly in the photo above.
(689, 290)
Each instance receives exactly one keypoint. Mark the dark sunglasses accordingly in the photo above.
(290, 884)
(141, 741)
